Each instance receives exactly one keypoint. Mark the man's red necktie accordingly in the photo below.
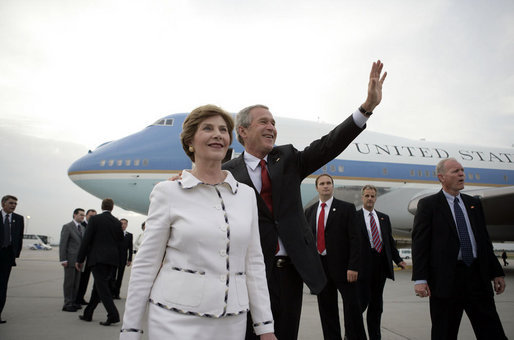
(266, 186)
(320, 239)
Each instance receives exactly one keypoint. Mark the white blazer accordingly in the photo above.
(212, 265)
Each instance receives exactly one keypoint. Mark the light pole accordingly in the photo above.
(28, 221)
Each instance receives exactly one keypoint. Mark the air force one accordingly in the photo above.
(403, 170)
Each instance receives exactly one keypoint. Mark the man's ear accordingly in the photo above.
(241, 131)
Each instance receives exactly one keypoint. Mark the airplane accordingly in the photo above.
(403, 170)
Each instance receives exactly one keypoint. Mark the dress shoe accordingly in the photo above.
(81, 302)
(2, 321)
(109, 322)
(69, 309)
(77, 305)
(116, 297)
(83, 318)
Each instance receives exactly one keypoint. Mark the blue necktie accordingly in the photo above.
(465, 242)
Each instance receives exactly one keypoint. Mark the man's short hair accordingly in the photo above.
(368, 187)
(107, 204)
(123, 219)
(243, 119)
(76, 211)
(441, 166)
(90, 210)
(317, 178)
(8, 197)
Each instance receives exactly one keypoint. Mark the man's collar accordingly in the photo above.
(252, 161)
(189, 181)
(327, 202)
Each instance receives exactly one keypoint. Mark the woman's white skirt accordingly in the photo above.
(165, 324)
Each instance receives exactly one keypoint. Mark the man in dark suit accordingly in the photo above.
(125, 257)
(338, 245)
(378, 251)
(453, 259)
(69, 245)
(84, 276)
(101, 245)
(276, 172)
(11, 241)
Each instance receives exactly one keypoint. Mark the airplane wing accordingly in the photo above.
(498, 204)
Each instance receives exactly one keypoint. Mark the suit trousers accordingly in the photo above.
(102, 274)
(286, 293)
(371, 293)
(329, 310)
(472, 295)
(70, 285)
(84, 280)
(6, 260)
(119, 279)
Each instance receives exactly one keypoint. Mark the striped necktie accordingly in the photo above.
(377, 243)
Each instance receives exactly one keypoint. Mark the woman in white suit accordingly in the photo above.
(200, 267)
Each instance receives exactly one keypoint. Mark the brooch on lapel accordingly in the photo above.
(333, 209)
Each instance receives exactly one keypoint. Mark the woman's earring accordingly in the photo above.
(191, 149)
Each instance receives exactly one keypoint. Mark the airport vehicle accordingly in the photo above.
(35, 242)
(405, 253)
(402, 169)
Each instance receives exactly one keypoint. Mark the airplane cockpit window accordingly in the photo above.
(166, 122)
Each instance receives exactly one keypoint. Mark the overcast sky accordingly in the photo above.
(74, 74)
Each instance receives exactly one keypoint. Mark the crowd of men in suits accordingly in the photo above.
(102, 242)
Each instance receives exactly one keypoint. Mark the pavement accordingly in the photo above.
(34, 302)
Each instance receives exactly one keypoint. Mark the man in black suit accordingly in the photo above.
(125, 257)
(287, 243)
(453, 259)
(378, 251)
(69, 245)
(101, 244)
(338, 245)
(11, 241)
(84, 276)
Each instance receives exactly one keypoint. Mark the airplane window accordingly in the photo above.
(434, 174)
(159, 122)
(102, 162)
(470, 176)
(169, 122)
(341, 168)
(506, 178)
(145, 162)
(127, 162)
(111, 162)
(427, 173)
(136, 162)
(384, 171)
(119, 162)
(420, 173)
(412, 173)
(333, 168)
(324, 168)
(477, 176)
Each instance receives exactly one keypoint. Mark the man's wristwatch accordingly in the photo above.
(364, 112)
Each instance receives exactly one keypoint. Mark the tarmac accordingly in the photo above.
(34, 302)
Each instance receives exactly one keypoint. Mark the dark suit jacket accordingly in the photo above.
(126, 249)
(435, 243)
(388, 244)
(287, 168)
(102, 241)
(17, 227)
(342, 238)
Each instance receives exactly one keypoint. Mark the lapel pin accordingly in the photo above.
(333, 209)
(472, 207)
